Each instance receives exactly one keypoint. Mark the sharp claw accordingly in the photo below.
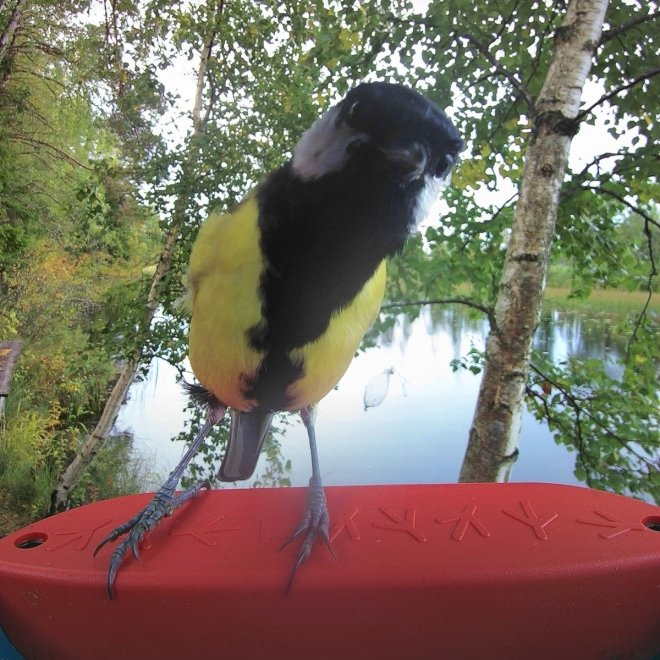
(117, 532)
(296, 534)
(113, 536)
(100, 545)
(135, 540)
(136, 528)
(315, 523)
(136, 532)
(326, 540)
(115, 563)
(303, 556)
(164, 503)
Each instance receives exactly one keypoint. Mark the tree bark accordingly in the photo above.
(9, 30)
(494, 435)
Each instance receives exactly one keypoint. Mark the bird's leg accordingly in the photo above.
(163, 504)
(316, 520)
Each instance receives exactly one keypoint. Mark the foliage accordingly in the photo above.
(610, 419)
(33, 449)
(74, 236)
(96, 147)
(607, 228)
(29, 456)
(273, 69)
(114, 472)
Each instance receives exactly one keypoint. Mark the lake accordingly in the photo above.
(417, 434)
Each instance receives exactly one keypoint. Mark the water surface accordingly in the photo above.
(419, 431)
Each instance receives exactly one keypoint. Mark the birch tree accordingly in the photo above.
(495, 430)
(507, 70)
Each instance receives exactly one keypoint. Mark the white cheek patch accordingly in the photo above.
(427, 196)
(323, 148)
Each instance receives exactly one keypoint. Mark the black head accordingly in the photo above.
(401, 130)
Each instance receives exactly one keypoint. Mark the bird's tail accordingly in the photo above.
(248, 431)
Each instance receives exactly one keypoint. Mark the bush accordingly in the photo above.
(29, 453)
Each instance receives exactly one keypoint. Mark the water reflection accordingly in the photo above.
(417, 434)
(564, 334)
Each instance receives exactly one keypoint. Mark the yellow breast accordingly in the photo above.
(224, 278)
(326, 359)
(225, 266)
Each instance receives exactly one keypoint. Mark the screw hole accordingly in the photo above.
(32, 540)
(652, 523)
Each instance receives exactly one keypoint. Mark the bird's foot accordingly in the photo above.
(315, 524)
(163, 504)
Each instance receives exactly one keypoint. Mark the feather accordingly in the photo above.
(248, 432)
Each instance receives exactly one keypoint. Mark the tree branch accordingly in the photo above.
(575, 431)
(505, 24)
(10, 28)
(41, 190)
(48, 49)
(628, 161)
(597, 160)
(517, 84)
(549, 27)
(26, 139)
(198, 122)
(606, 97)
(615, 32)
(484, 226)
(41, 76)
(649, 287)
(647, 218)
(576, 404)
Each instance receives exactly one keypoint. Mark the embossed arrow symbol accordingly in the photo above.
(84, 535)
(401, 524)
(617, 525)
(536, 522)
(464, 521)
(202, 533)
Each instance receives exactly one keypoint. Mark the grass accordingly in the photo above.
(32, 454)
(605, 300)
(26, 477)
(114, 472)
(601, 300)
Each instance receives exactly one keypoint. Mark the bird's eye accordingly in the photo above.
(351, 111)
(443, 166)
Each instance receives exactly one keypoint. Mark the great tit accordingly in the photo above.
(284, 286)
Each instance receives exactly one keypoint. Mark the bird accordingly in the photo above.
(283, 287)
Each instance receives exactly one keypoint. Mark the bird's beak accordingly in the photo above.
(411, 159)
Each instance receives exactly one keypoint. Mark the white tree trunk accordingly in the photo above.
(493, 439)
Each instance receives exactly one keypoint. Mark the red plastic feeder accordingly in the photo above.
(456, 571)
